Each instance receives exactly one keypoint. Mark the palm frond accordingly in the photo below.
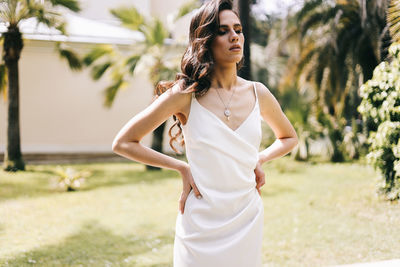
(98, 70)
(393, 19)
(155, 33)
(111, 91)
(187, 8)
(129, 17)
(131, 62)
(72, 5)
(74, 62)
(308, 7)
(96, 53)
(44, 14)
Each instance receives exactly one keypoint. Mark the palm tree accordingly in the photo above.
(340, 43)
(244, 12)
(393, 20)
(162, 59)
(12, 12)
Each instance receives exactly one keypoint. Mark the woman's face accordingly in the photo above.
(227, 47)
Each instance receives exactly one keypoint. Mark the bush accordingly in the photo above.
(380, 108)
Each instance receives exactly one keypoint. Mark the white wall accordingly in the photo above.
(98, 9)
(62, 111)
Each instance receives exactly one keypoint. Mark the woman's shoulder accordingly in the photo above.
(178, 94)
(261, 89)
(179, 98)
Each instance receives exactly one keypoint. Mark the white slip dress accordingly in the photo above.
(225, 227)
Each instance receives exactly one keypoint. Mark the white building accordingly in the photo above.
(62, 111)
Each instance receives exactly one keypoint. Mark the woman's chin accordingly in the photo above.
(229, 61)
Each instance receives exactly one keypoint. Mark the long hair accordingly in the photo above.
(197, 63)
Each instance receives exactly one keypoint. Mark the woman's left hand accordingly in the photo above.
(260, 177)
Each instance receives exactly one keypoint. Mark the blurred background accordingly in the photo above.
(72, 73)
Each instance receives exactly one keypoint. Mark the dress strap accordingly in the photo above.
(255, 90)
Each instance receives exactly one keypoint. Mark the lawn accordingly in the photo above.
(315, 215)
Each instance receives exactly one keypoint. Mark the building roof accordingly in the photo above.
(79, 30)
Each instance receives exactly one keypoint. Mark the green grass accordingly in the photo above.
(315, 215)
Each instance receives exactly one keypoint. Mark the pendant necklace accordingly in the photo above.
(227, 112)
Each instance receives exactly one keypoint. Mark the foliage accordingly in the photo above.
(70, 179)
(340, 42)
(380, 108)
(46, 12)
(153, 54)
(393, 20)
(297, 107)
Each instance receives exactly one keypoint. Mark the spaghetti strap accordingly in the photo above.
(255, 90)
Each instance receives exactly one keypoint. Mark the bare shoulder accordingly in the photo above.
(177, 97)
(266, 98)
(181, 101)
(262, 90)
(263, 93)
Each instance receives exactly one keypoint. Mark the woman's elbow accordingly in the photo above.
(117, 146)
(295, 141)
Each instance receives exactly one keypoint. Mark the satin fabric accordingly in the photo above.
(225, 227)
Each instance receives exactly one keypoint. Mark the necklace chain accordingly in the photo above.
(227, 112)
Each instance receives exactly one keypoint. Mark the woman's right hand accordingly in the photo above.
(188, 184)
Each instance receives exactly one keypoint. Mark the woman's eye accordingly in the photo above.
(223, 32)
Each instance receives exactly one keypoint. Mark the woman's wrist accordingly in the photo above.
(261, 158)
(182, 166)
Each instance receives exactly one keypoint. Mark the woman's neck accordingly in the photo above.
(224, 77)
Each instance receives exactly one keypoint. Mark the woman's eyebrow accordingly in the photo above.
(226, 26)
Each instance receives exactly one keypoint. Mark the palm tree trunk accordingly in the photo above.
(11, 52)
(244, 12)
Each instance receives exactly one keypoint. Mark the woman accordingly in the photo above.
(220, 114)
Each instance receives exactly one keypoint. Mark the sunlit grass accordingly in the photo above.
(315, 215)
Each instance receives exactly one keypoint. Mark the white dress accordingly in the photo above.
(224, 228)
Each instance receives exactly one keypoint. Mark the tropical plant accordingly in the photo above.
(12, 12)
(153, 54)
(380, 108)
(70, 179)
(393, 20)
(340, 43)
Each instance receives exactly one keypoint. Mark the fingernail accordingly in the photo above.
(199, 197)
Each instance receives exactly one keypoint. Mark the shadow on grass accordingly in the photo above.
(40, 180)
(97, 246)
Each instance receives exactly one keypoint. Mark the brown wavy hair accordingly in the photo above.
(197, 62)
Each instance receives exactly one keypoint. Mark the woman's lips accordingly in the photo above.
(235, 49)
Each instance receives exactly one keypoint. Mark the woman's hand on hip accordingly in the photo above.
(260, 177)
(188, 184)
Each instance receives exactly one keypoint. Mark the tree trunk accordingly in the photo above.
(157, 142)
(336, 137)
(244, 12)
(11, 52)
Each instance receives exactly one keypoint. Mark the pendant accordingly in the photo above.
(227, 113)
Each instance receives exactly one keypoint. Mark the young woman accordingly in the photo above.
(221, 212)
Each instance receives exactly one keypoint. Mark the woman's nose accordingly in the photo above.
(234, 37)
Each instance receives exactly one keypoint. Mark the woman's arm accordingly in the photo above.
(271, 112)
(127, 141)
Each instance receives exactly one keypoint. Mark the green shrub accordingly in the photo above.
(380, 108)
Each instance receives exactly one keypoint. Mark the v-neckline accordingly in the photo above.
(219, 120)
